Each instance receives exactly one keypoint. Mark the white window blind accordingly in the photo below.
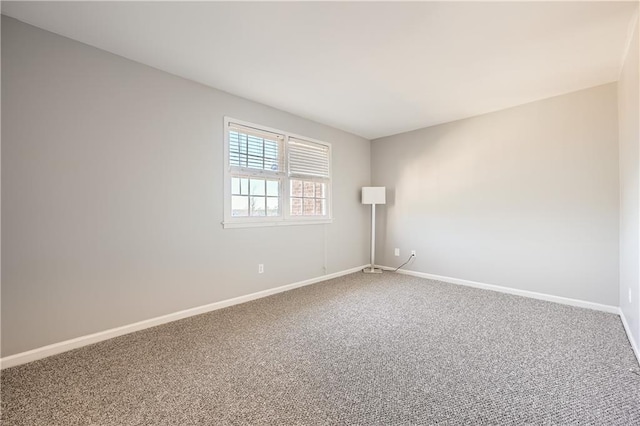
(255, 149)
(308, 158)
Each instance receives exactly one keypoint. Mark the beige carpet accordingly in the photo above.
(357, 350)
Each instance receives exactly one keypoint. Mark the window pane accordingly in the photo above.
(256, 152)
(234, 149)
(308, 198)
(237, 149)
(242, 161)
(273, 188)
(271, 155)
(254, 145)
(258, 206)
(257, 186)
(255, 162)
(239, 206)
(237, 141)
(234, 159)
(235, 186)
(244, 186)
(296, 206)
(296, 188)
(273, 208)
(309, 207)
(270, 148)
(255, 197)
(309, 189)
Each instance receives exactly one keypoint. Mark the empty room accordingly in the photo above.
(320, 213)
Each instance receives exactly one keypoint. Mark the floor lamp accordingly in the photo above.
(373, 195)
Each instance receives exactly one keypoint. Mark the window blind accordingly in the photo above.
(255, 149)
(308, 158)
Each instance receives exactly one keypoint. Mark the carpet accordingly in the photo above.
(362, 349)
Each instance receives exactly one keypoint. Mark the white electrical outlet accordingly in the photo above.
(260, 268)
(413, 252)
(397, 252)
(629, 295)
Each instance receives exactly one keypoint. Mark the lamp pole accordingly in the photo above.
(373, 236)
(373, 196)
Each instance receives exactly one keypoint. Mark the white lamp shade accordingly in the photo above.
(373, 195)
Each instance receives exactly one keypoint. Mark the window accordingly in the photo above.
(274, 177)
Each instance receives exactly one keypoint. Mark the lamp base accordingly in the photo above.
(372, 270)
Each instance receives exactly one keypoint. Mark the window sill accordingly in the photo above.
(234, 224)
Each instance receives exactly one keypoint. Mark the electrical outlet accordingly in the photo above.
(397, 252)
(413, 252)
(629, 295)
(260, 268)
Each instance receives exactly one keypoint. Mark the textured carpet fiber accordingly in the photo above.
(361, 349)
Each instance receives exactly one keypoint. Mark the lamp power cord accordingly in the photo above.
(408, 260)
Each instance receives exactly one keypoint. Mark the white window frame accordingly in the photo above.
(285, 218)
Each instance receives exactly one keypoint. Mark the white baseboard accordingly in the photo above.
(634, 345)
(524, 293)
(67, 345)
(533, 295)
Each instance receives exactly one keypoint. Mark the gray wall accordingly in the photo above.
(525, 198)
(629, 111)
(112, 195)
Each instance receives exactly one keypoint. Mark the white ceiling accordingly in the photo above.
(373, 69)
